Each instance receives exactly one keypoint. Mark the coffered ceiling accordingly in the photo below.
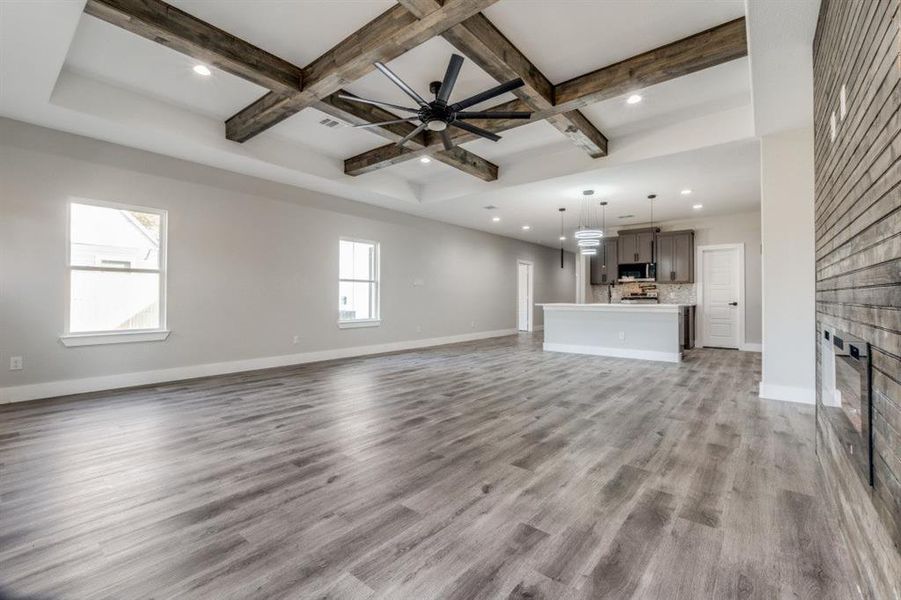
(93, 78)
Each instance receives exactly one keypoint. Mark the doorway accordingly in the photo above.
(524, 288)
(721, 291)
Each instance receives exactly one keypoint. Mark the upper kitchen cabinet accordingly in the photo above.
(636, 246)
(675, 257)
(604, 263)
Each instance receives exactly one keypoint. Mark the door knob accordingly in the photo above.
(733, 304)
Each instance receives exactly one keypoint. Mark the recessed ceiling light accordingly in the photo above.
(697, 206)
(526, 227)
(495, 219)
(202, 70)
(425, 160)
(686, 192)
(562, 238)
(633, 99)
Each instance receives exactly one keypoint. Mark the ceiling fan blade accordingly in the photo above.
(450, 77)
(488, 94)
(492, 115)
(410, 135)
(476, 130)
(377, 103)
(446, 139)
(399, 83)
(365, 125)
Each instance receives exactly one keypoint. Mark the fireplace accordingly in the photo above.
(845, 396)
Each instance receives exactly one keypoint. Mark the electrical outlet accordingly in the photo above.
(419, 329)
(622, 335)
(15, 363)
(473, 325)
(296, 340)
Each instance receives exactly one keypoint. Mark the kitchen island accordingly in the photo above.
(643, 331)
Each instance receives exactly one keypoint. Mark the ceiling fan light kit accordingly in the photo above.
(438, 115)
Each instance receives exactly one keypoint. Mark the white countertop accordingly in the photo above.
(649, 308)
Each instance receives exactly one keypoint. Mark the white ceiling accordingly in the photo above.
(295, 30)
(695, 126)
(718, 88)
(571, 38)
(725, 179)
(112, 55)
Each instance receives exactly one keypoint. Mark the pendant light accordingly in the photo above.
(585, 230)
(562, 236)
(603, 218)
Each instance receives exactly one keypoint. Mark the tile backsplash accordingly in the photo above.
(667, 293)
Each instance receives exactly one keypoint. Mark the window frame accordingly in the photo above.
(376, 320)
(91, 338)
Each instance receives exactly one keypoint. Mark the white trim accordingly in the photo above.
(672, 357)
(787, 393)
(359, 323)
(531, 299)
(751, 347)
(699, 290)
(117, 337)
(52, 389)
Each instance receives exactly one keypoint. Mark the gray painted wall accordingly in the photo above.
(251, 263)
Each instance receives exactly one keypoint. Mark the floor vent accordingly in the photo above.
(329, 122)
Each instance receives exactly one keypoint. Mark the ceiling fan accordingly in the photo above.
(438, 115)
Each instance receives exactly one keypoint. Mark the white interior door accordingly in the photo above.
(721, 296)
(524, 296)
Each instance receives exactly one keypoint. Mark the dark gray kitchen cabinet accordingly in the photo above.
(604, 263)
(636, 246)
(675, 257)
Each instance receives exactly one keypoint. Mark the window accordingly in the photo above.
(358, 283)
(117, 278)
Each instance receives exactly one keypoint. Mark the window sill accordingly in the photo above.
(118, 337)
(355, 324)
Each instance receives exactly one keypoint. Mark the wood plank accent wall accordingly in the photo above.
(858, 260)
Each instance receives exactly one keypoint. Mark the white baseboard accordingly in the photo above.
(751, 347)
(787, 393)
(614, 352)
(51, 389)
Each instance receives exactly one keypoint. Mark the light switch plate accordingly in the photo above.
(15, 363)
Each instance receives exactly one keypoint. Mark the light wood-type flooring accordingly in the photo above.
(488, 469)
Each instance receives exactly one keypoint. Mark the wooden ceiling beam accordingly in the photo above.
(358, 114)
(703, 50)
(176, 29)
(383, 39)
(485, 45)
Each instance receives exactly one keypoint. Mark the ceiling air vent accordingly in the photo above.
(626, 217)
(329, 122)
(490, 207)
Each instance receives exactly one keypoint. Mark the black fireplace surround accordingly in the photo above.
(845, 396)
